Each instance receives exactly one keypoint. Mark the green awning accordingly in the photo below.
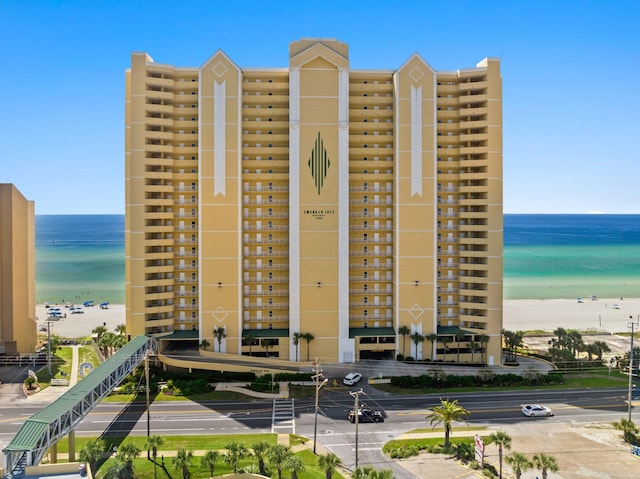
(452, 331)
(370, 332)
(266, 333)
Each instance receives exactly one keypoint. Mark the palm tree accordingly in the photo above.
(92, 452)
(260, 450)
(182, 461)
(121, 329)
(445, 346)
(219, 334)
(235, 452)
(404, 331)
(368, 472)
(628, 428)
(519, 463)
(127, 452)
(446, 413)
(417, 338)
(294, 464)
(328, 464)
(209, 460)
(109, 342)
(459, 337)
(483, 339)
(278, 455)
(601, 347)
(545, 463)
(248, 338)
(473, 345)
(98, 331)
(119, 470)
(267, 344)
(153, 443)
(502, 440)
(296, 341)
(433, 339)
(308, 337)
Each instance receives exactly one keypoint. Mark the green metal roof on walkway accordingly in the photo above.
(47, 426)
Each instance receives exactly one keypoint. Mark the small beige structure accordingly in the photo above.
(316, 200)
(18, 332)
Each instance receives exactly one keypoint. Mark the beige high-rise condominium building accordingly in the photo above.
(356, 206)
(17, 272)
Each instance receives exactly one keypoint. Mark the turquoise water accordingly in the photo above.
(81, 257)
(569, 256)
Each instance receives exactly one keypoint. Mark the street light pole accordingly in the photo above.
(146, 375)
(356, 396)
(317, 377)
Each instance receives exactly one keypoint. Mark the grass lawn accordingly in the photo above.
(173, 443)
(144, 468)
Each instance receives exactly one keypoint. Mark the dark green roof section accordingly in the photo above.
(266, 333)
(370, 332)
(452, 331)
(33, 429)
(28, 436)
(182, 334)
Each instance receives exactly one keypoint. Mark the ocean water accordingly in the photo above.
(570, 256)
(81, 257)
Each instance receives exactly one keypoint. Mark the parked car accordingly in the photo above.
(352, 379)
(366, 414)
(533, 410)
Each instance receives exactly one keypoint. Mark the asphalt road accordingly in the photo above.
(334, 432)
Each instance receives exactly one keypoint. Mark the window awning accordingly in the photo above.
(452, 331)
(266, 333)
(370, 332)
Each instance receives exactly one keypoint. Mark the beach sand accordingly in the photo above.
(519, 315)
(76, 326)
(610, 315)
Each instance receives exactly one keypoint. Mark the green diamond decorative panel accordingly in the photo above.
(319, 163)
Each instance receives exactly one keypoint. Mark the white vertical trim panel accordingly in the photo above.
(219, 133)
(294, 205)
(416, 140)
(345, 345)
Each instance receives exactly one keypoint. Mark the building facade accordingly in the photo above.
(18, 329)
(315, 210)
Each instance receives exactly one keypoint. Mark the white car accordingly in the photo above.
(533, 410)
(351, 379)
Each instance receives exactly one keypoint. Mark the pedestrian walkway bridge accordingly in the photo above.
(45, 428)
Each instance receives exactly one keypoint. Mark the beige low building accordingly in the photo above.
(18, 332)
(350, 206)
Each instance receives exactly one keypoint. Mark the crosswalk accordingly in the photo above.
(283, 416)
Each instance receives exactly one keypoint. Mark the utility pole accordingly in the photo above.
(317, 377)
(632, 325)
(356, 397)
(146, 376)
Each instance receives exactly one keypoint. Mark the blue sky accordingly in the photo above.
(570, 74)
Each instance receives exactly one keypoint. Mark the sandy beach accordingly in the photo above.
(610, 315)
(80, 325)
